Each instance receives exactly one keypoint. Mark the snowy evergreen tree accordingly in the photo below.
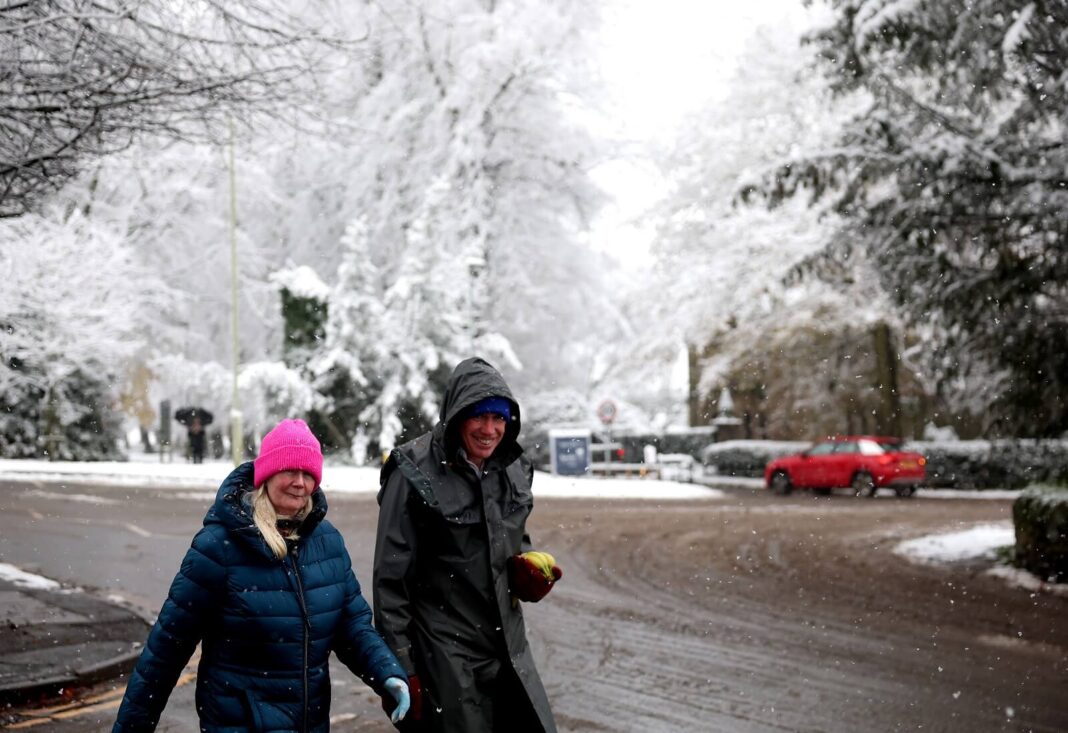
(389, 346)
(304, 312)
(952, 181)
(344, 371)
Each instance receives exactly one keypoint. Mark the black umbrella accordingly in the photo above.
(186, 415)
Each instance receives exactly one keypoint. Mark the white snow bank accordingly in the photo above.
(116, 473)
(546, 484)
(1029, 581)
(967, 493)
(336, 479)
(731, 482)
(22, 579)
(970, 544)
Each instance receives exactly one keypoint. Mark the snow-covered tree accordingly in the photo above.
(271, 391)
(73, 307)
(721, 285)
(951, 178)
(471, 153)
(389, 346)
(453, 137)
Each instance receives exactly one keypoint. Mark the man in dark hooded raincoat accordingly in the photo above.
(453, 509)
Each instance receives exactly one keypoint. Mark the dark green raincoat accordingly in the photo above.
(441, 597)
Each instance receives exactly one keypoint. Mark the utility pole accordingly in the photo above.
(237, 435)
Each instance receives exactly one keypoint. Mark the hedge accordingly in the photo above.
(747, 457)
(1002, 464)
(1040, 516)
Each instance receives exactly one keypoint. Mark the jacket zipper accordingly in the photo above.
(307, 622)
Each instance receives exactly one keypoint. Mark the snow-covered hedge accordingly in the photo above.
(1040, 516)
(964, 464)
(748, 457)
(1003, 464)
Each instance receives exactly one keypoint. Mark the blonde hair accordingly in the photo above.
(266, 519)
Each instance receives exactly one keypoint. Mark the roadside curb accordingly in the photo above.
(54, 686)
(54, 640)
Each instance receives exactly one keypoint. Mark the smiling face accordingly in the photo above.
(481, 435)
(289, 491)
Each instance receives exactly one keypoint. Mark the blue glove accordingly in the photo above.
(396, 687)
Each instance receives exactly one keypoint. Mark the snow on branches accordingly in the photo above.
(951, 179)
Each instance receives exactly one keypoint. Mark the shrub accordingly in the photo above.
(1040, 516)
(1003, 464)
(747, 457)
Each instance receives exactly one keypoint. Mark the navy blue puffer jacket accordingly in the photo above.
(267, 626)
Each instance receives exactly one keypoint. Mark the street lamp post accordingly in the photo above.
(237, 435)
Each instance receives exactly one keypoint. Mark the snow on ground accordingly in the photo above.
(22, 579)
(1028, 581)
(978, 542)
(546, 484)
(148, 471)
(971, 544)
(336, 479)
(963, 493)
(116, 473)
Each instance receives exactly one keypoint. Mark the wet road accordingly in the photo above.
(751, 613)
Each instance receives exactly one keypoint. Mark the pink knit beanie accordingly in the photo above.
(290, 446)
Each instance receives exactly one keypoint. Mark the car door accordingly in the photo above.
(843, 463)
(812, 469)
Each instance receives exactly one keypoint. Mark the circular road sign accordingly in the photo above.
(606, 411)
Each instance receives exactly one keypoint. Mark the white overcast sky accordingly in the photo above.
(660, 60)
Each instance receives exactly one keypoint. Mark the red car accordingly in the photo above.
(863, 463)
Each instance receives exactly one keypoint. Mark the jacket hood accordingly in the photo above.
(232, 509)
(472, 380)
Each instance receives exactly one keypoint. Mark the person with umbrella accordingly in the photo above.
(195, 419)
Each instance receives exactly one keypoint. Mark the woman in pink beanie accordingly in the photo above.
(268, 589)
(287, 471)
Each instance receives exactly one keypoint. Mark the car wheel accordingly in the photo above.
(863, 484)
(905, 491)
(780, 483)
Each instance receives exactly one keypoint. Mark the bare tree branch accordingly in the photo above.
(79, 78)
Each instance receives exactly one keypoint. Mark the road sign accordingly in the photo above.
(606, 411)
(569, 451)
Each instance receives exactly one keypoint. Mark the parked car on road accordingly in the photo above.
(864, 463)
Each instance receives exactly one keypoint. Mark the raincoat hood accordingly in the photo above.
(474, 380)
